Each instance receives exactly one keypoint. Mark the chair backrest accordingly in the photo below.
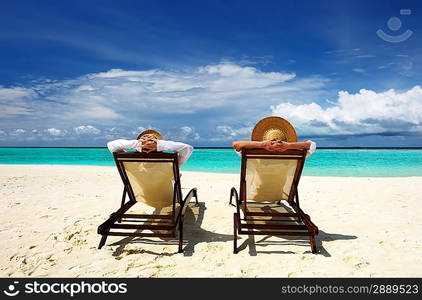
(270, 176)
(151, 178)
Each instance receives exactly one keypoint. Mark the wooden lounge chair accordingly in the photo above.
(267, 180)
(151, 178)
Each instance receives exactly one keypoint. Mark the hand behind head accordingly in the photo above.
(149, 146)
(276, 145)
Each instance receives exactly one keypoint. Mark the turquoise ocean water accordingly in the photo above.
(324, 162)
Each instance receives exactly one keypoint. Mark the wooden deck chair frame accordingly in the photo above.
(171, 222)
(297, 223)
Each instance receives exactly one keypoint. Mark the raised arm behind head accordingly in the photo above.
(273, 145)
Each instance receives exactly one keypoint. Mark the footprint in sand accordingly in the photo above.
(356, 262)
(214, 248)
(153, 270)
(73, 234)
(79, 266)
(134, 265)
(127, 252)
(293, 274)
(304, 257)
(29, 264)
(361, 265)
(245, 272)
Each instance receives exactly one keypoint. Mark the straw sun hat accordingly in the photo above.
(152, 132)
(274, 128)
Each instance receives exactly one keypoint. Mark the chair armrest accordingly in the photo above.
(183, 205)
(233, 192)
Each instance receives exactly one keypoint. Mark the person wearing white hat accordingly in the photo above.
(151, 140)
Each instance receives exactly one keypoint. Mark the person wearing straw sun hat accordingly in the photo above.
(274, 134)
(151, 140)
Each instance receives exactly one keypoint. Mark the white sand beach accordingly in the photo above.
(49, 217)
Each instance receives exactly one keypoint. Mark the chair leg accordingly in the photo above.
(313, 245)
(181, 236)
(122, 203)
(235, 234)
(102, 241)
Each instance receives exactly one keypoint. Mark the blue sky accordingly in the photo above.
(79, 73)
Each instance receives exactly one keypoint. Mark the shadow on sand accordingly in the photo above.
(291, 240)
(193, 234)
(297, 241)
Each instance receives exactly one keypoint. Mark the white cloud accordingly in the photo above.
(164, 99)
(226, 130)
(189, 133)
(117, 98)
(138, 130)
(186, 130)
(86, 130)
(217, 102)
(19, 131)
(353, 51)
(183, 133)
(12, 110)
(116, 73)
(359, 70)
(17, 134)
(224, 133)
(15, 93)
(53, 132)
(84, 87)
(363, 112)
(14, 101)
(231, 77)
(231, 132)
(97, 112)
(366, 56)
